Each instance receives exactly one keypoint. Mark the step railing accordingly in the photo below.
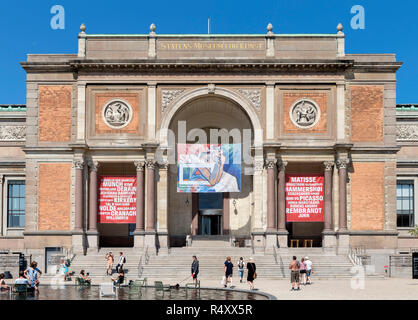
(144, 259)
(355, 253)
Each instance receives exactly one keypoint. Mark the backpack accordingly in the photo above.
(241, 264)
(124, 260)
(298, 263)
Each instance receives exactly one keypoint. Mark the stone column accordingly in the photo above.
(329, 240)
(271, 234)
(328, 195)
(162, 207)
(140, 217)
(342, 181)
(77, 235)
(271, 164)
(281, 206)
(79, 195)
(92, 234)
(343, 234)
(257, 221)
(150, 199)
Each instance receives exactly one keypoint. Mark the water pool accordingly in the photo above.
(125, 293)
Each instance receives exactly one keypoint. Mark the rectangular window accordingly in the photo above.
(405, 203)
(16, 204)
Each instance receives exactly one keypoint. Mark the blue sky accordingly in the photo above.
(390, 27)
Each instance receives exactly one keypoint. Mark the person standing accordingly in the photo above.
(228, 266)
(195, 270)
(110, 260)
(309, 270)
(251, 273)
(64, 270)
(121, 262)
(241, 266)
(302, 271)
(33, 274)
(294, 267)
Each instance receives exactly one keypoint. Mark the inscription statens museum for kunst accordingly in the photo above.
(211, 45)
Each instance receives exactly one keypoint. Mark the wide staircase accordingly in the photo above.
(175, 264)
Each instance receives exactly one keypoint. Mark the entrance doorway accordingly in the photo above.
(305, 233)
(210, 214)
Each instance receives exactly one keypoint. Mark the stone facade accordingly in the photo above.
(309, 108)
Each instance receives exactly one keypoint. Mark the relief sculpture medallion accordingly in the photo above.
(117, 114)
(305, 113)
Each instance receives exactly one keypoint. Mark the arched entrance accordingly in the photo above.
(222, 214)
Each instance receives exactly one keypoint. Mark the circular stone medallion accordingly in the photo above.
(305, 113)
(117, 113)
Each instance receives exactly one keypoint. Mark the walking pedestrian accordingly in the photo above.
(251, 273)
(241, 266)
(33, 274)
(195, 270)
(110, 260)
(228, 266)
(294, 267)
(302, 271)
(121, 262)
(309, 270)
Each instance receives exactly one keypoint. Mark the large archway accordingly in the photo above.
(187, 211)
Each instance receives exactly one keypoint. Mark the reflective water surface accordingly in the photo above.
(124, 293)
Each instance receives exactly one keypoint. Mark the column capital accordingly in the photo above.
(328, 165)
(94, 165)
(150, 164)
(163, 165)
(342, 163)
(78, 164)
(282, 165)
(271, 163)
(139, 165)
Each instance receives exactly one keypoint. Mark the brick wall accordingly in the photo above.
(55, 113)
(291, 97)
(101, 100)
(54, 196)
(367, 193)
(366, 113)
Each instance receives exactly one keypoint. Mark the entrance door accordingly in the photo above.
(210, 214)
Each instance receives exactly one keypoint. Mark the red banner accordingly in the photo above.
(304, 198)
(117, 199)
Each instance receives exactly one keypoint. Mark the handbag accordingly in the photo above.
(223, 282)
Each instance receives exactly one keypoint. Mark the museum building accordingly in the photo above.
(312, 119)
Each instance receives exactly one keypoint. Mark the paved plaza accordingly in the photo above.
(338, 289)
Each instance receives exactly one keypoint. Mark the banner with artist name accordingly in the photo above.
(304, 198)
(117, 199)
(208, 168)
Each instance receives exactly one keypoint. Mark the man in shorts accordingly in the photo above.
(294, 267)
(309, 270)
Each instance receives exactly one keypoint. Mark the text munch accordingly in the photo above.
(177, 310)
